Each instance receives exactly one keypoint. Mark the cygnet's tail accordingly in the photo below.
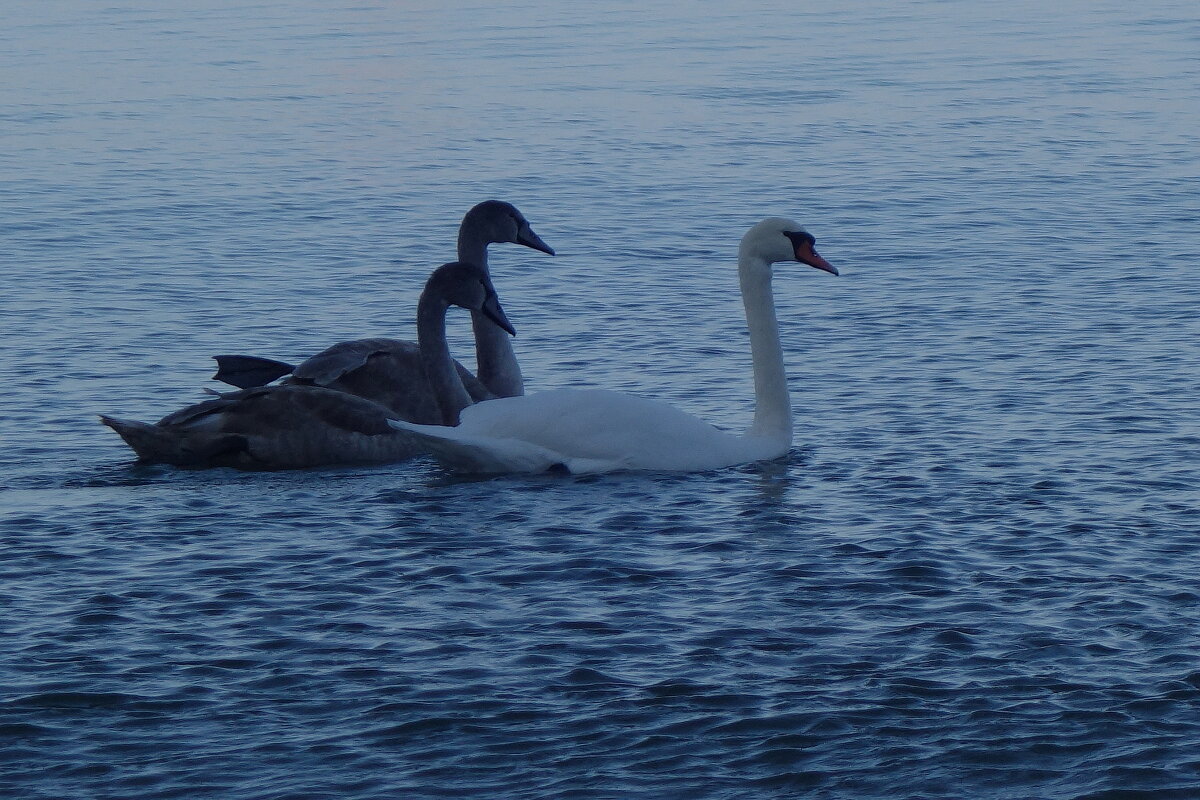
(150, 442)
(167, 445)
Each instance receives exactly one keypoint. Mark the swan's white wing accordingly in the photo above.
(597, 425)
(584, 430)
(459, 450)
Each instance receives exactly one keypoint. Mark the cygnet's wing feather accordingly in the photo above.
(334, 362)
(268, 408)
(387, 371)
(247, 372)
(270, 427)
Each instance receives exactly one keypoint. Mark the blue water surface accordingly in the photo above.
(975, 575)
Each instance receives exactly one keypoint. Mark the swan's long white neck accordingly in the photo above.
(495, 360)
(773, 407)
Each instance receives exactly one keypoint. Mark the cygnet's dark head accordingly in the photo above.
(498, 221)
(467, 286)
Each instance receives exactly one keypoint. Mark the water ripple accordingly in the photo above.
(974, 575)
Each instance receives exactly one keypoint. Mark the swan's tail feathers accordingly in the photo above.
(247, 372)
(161, 445)
(462, 452)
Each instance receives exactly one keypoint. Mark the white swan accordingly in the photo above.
(294, 426)
(388, 371)
(593, 430)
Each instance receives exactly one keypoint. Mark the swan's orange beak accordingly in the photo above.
(806, 254)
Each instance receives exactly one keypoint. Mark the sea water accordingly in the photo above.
(975, 574)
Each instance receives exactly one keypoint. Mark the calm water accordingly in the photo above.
(974, 576)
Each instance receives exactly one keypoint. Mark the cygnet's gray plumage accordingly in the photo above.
(386, 370)
(294, 426)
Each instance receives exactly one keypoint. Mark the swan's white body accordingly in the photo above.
(589, 430)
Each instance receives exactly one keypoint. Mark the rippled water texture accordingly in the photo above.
(974, 576)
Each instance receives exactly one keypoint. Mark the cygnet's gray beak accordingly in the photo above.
(527, 237)
(492, 310)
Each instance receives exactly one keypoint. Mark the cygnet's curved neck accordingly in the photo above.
(773, 407)
(472, 243)
(496, 362)
(448, 389)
